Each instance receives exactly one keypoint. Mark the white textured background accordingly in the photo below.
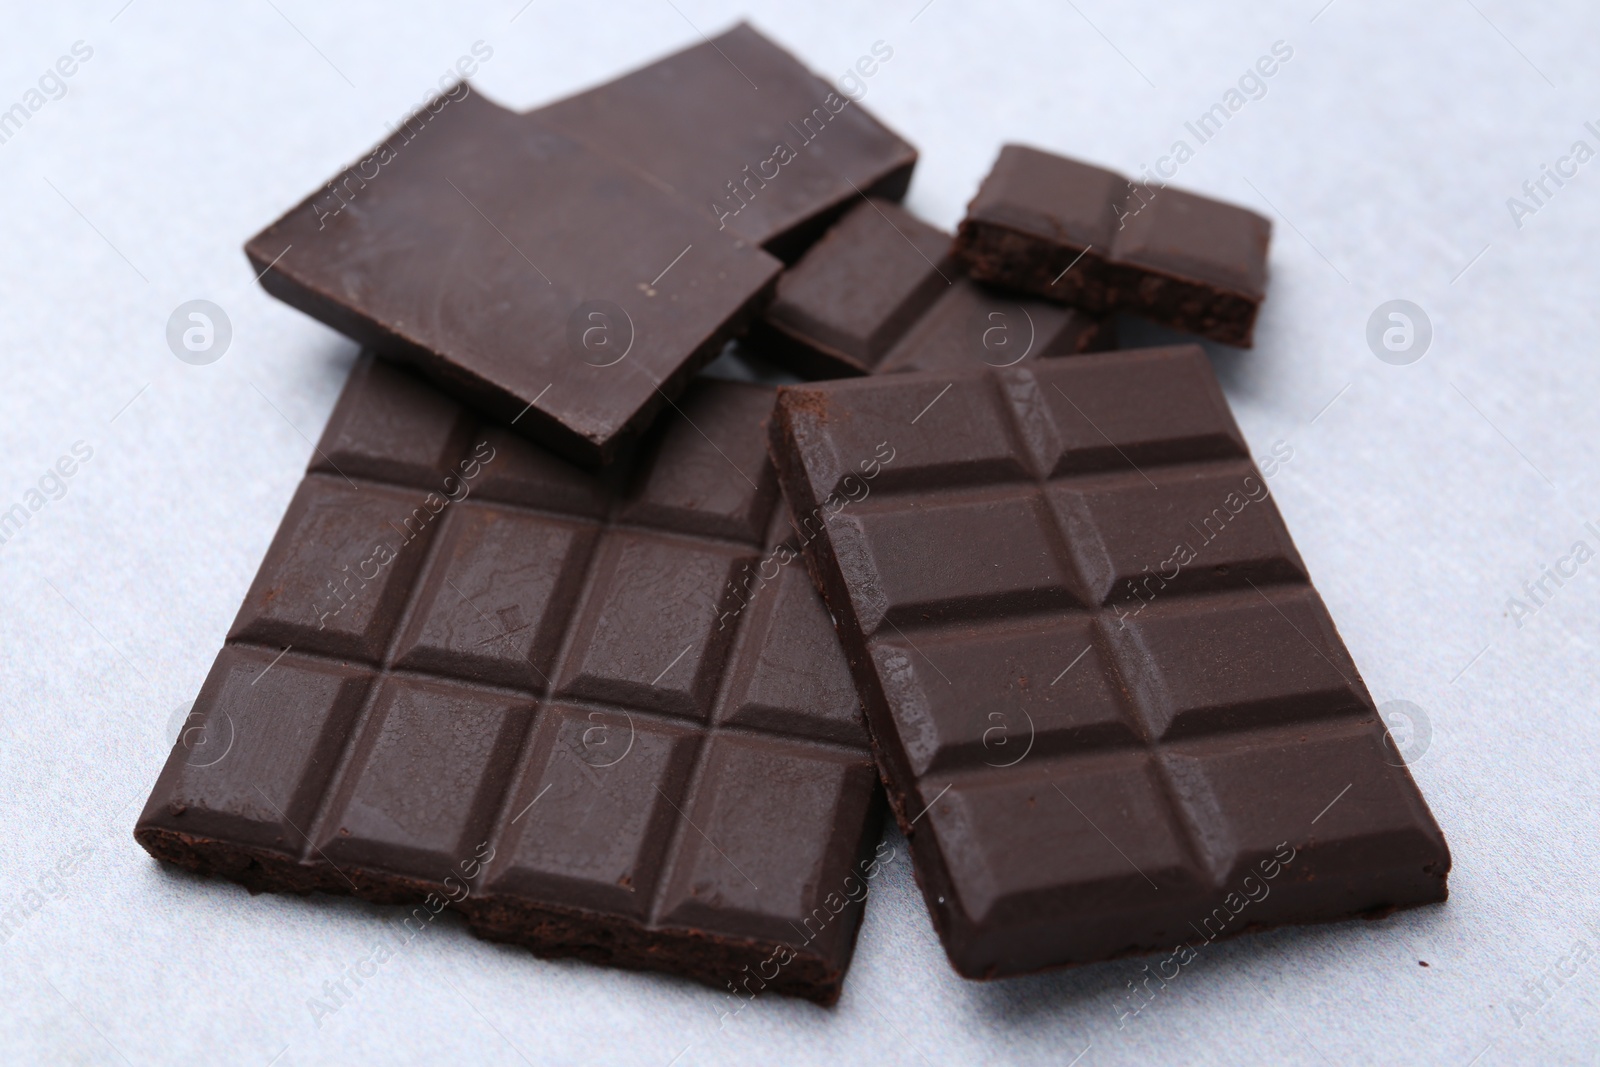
(1422, 499)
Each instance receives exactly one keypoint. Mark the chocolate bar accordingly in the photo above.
(1111, 711)
(545, 283)
(880, 292)
(470, 674)
(744, 132)
(1088, 237)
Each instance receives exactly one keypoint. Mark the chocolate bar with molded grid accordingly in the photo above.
(1112, 713)
(469, 673)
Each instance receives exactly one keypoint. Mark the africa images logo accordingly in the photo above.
(1399, 332)
(199, 332)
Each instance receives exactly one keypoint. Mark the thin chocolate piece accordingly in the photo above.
(469, 672)
(880, 292)
(743, 131)
(1084, 236)
(1111, 711)
(535, 278)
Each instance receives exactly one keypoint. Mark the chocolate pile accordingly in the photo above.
(612, 657)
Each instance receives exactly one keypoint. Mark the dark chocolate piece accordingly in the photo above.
(1111, 711)
(470, 672)
(743, 131)
(880, 292)
(1084, 236)
(547, 284)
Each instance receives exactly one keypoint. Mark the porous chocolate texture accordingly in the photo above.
(1070, 232)
(881, 292)
(746, 134)
(1111, 711)
(470, 672)
(545, 283)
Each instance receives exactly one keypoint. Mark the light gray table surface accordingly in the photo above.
(1423, 496)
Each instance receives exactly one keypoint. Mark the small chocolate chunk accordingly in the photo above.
(881, 292)
(1070, 232)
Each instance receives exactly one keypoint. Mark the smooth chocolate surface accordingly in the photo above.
(469, 672)
(744, 132)
(543, 282)
(1088, 237)
(881, 292)
(1113, 714)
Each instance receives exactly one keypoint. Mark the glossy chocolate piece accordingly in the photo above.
(1070, 232)
(543, 282)
(1111, 711)
(745, 133)
(469, 671)
(881, 292)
